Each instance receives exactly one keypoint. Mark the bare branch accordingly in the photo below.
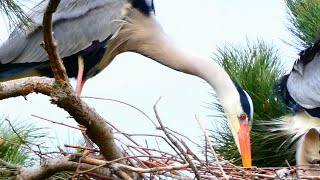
(58, 69)
(25, 86)
(97, 128)
(211, 148)
(52, 166)
(143, 170)
(81, 147)
(60, 123)
(175, 142)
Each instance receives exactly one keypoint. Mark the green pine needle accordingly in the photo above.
(304, 21)
(12, 11)
(255, 67)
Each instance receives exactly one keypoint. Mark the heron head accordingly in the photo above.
(240, 117)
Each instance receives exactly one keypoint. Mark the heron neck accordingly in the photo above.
(164, 51)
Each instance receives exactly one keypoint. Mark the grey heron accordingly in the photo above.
(300, 91)
(91, 33)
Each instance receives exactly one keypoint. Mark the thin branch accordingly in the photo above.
(150, 170)
(38, 153)
(211, 147)
(175, 142)
(52, 166)
(121, 102)
(54, 122)
(81, 147)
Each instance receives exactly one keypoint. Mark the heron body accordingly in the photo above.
(98, 30)
(22, 56)
(300, 89)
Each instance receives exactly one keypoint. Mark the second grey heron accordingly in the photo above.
(300, 91)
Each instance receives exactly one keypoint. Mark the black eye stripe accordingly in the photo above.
(244, 100)
(145, 6)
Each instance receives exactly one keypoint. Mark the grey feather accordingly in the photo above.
(76, 24)
(304, 85)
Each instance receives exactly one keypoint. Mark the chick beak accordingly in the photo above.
(244, 143)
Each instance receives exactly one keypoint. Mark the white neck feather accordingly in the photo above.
(143, 34)
(185, 61)
(161, 48)
(296, 125)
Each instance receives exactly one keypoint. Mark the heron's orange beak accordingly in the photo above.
(244, 142)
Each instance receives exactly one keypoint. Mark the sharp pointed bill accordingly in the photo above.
(243, 132)
(123, 25)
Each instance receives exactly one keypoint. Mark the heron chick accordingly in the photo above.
(94, 32)
(308, 152)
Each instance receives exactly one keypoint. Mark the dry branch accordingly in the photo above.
(211, 148)
(195, 170)
(25, 86)
(52, 166)
(58, 69)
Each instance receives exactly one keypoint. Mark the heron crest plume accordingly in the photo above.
(295, 125)
(134, 33)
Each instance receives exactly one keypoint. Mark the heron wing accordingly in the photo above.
(305, 88)
(306, 56)
(76, 24)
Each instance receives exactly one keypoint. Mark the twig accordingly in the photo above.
(78, 168)
(150, 170)
(159, 136)
(81, 147)
(17, 144)
(184, 136)
(211, 147)
(63, 124)
(22, 140)
(175, 142)
(287, 162)
(124, 134)
(121, 102)
(62, 151)
(196, 158)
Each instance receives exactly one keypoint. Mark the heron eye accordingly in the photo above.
(243, 116)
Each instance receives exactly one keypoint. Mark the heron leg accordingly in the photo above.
(79, 86)
(80, 81)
